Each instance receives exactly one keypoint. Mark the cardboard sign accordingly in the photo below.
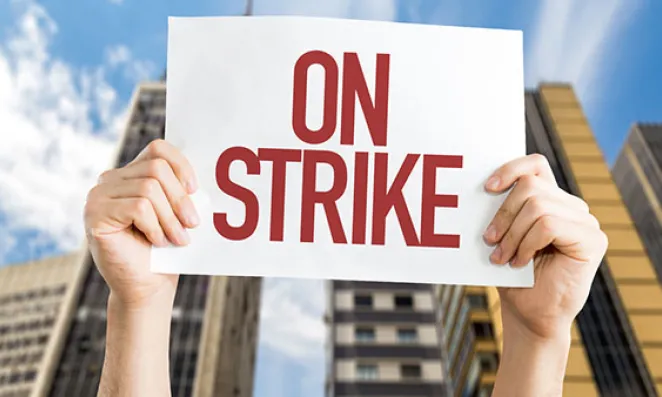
(342, 149)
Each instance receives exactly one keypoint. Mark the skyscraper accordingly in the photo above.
(383, 340)
(214, 321)
(616, 344)
(616, 340)
(638, 176)
(34, 303)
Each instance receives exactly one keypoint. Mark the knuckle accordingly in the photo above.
(148, 187)
(156, 147)
(537, 205)
(547, 224)
(528, 183)
(540, 159)
(142, 207)
(106, 175)
(93, 194)
(156, 167)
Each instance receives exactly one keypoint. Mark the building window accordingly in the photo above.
(483, 330)
(486, 390)
(363, 301)
(364, 334)
(367, 372)
(472, 379)
(489, 362)
(404, 302)
(407, 335)
(477, 301)
(410, 371)
(30, 376)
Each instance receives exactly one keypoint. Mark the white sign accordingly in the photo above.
(343, 149)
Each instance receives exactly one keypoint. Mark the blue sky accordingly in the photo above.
(67, 70)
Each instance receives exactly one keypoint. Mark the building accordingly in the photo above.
(638, 176)
(33, 306)
(383, 341)
(214, 324)
(616, 340)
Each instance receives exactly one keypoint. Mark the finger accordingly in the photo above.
(533, 165)
(160, 170)
(535, 208)
(106, 216)
(180, 165)
(150, 189)
(527, 187)
(579, 241)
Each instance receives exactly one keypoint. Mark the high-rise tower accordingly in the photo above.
(616, 340)
(214, 322)
(638, 176)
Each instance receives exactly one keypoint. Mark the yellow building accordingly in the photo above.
(617, 338)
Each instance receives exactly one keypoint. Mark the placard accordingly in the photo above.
(343, 149)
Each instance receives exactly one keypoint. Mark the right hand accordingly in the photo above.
(132, 208)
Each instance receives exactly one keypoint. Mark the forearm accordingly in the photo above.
(531, 366)
(137, 349)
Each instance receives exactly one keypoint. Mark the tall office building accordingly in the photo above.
(616, 340)
(33, 306)
(638, 175)
(214, 322)
(383, 341)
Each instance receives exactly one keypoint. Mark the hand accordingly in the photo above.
(540, 221)
(132, 208)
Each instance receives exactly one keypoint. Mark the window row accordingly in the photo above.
(400, 301)
(366, 371)
(33, 294)
(18, 377)
(38, 307)
(367, 334)
(23, 342)
(20, 359)
(27, 325)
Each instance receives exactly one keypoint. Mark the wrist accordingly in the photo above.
(160, 302)
(160, 299)
(532, 363)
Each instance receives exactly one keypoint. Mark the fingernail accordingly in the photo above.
(191, 186)
(493, 183)
(183, 237)
(496, 255)
(490, 234)
(190, 214)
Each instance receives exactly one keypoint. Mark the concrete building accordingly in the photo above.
(383, 341)
(638, 176)
(33, 306)
(616, 340)
(214, 323)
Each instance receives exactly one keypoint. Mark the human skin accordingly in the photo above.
(146, 203)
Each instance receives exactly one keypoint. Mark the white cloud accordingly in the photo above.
(117, 54)
(291, 317)
(573, 40)
(58, 130)
(135, 70)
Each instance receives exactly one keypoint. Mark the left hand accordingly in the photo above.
(539, 221)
